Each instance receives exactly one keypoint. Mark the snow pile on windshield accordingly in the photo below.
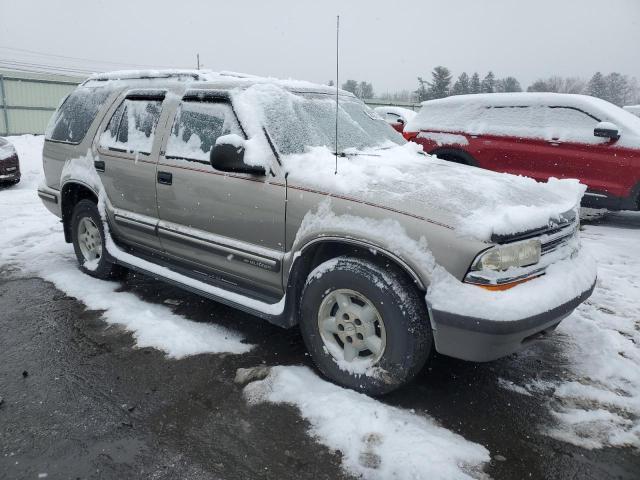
(33, 241)
(296, 121)
(377, 441)
(546, 116)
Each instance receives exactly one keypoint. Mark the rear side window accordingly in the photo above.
(72, 120)
(197, 127)
(517, 121)
(132, 126)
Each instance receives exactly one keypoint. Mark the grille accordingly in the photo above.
(558, 238)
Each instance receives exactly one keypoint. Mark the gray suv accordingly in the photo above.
(234, 187)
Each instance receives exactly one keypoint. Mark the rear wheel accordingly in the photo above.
(87, 233)
(366, 327)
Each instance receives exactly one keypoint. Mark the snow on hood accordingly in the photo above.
(475, 202)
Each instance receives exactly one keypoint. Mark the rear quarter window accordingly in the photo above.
(73, 118)
(516, 121)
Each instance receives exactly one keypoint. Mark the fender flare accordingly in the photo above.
(371, 247)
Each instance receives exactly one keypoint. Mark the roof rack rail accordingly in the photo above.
(145, 75)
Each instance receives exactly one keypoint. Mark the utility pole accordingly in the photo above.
(198, 60)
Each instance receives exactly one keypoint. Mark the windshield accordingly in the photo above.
(297, 121)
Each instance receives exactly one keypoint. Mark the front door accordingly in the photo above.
(127, 154)
(228, 226)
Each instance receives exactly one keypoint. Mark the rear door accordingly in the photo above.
(227, 226)
(127, 154)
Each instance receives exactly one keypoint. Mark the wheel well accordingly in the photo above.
(71, 194)
(454, 155)
(320, 252)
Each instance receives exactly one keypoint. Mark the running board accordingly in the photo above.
(277, 315)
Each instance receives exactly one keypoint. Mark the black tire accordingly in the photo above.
(401, 307)
(103, 267)
(455, 156)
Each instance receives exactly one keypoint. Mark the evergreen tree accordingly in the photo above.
(474, 85)
(421, 92)
(462, 85)
(597, 86)
(488, 83)
(440, 82)
(350, 86)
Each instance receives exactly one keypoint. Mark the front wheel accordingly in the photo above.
(366, 327)
(87, 234)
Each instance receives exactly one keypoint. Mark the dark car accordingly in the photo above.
(9, 164)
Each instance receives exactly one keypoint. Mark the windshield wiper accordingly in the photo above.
(356, 154)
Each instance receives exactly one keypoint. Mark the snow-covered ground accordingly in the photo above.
(599, 402)
(596, 403)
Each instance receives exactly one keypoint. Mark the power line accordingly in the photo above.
(45, 54)
(14, 63)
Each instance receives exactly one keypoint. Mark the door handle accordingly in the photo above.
(165, 178)
(99, 165)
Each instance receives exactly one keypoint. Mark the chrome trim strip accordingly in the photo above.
(218, 247)
(595, 195)
(133, 223)
(50, 197)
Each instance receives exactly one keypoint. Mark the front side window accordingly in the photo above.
(132, 126)
(570, 124)
(197, 127)
(72, 120)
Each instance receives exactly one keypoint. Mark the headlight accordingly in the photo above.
(502, 257)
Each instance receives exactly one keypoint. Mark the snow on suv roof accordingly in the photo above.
(205, 79)
(460, 111)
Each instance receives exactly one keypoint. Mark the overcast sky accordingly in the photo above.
(385, 42)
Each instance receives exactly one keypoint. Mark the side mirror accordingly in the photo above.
(606, 130)
(400, 121)
(228, 156)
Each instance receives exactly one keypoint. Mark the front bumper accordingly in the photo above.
(482, 340)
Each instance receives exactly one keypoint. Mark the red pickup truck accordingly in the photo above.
(539, 135)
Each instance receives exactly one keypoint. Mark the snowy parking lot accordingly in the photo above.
(568, 406)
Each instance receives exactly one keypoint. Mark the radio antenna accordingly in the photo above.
(337, 83)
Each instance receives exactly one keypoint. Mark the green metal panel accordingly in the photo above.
(28, 121)
(31, 99)
(30, 94)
